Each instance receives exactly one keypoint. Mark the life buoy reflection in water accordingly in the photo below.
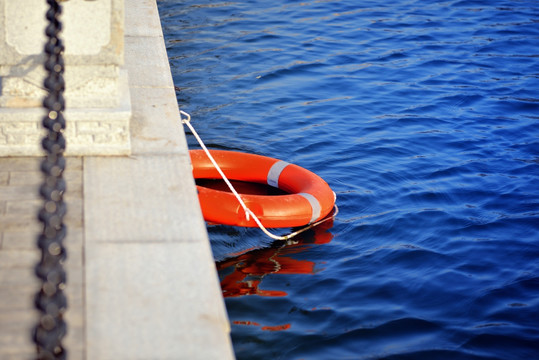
(246, 271)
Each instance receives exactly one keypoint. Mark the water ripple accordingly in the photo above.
(422, 116)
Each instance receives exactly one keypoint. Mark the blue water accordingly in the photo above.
(423, 116)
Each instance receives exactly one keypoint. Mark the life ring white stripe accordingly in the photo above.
(314, 204)
(275, 172)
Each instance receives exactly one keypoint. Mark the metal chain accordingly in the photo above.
(50, 300)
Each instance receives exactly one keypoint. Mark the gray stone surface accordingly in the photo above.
(91, 131)
(93, 31)
(147, 305)
(141, 199)
(96, 89)
(147, 61)
(19, 202)
(142, 282)
(148, 139)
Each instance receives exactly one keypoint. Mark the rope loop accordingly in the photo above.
(248, 213)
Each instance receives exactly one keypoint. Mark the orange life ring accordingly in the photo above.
(309, 198)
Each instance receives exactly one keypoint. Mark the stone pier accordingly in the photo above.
(142, 283)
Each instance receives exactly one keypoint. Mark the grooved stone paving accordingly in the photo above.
(142, 282)
(19, 203)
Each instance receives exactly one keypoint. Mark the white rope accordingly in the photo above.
(248, 212)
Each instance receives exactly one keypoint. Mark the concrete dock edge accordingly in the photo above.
(142, 282)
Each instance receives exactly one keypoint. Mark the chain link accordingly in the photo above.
(50, 300)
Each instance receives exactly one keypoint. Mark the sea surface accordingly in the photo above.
(423, 116)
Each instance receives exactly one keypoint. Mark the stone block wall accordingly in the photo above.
(98, 107)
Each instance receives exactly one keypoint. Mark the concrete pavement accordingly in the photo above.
(142, 283)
